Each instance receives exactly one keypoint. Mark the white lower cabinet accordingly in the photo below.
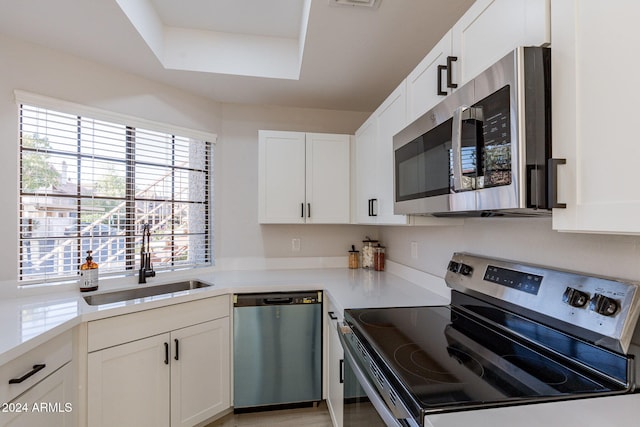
(200, 372)
(177, 378)
(129, 384)
(47, 404)
(335, 369)
(38, 388)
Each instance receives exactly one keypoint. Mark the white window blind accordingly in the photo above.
(88, 184)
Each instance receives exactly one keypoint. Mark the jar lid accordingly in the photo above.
(369, 240)
(353, 249)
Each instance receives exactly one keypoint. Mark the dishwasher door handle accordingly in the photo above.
(274, 301)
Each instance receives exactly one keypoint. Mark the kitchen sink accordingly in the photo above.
(144, 292)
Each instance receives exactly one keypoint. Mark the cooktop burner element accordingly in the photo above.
(415, 361)
(544, 372)
(513, 334)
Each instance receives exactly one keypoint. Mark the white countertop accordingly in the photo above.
(32, 320)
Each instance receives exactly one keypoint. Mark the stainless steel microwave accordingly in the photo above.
(484, 149)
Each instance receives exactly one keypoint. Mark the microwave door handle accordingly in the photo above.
(456, 147)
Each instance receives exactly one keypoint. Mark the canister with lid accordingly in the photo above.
(367, 252)
(354, 257)
(378, 258)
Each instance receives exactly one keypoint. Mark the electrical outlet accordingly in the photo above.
(414, 250)
(295, 244)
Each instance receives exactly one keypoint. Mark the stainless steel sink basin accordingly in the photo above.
(143, 292)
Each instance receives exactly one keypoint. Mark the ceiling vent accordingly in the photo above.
(372, 4)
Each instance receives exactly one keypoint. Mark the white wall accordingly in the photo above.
(51, 73)
(238, 233)
(528, 240)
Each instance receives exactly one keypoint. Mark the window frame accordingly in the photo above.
(131, 124)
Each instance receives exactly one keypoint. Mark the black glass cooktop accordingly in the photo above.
(445, 359)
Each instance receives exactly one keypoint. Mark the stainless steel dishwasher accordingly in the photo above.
(277, 356)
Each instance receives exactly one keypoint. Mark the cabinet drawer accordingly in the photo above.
(53, 354)
(130, 327)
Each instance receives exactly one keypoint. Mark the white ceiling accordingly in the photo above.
(353, 56)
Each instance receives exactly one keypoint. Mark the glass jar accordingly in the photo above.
(378, 258)
(367, 252)
(354, 258)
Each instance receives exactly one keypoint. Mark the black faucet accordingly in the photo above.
(146, 269)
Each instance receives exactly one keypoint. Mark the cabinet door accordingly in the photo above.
(335, 374)
(365, 164)
(327, 178)
(200, 372)
(492, 28)
(593, 122)
(422, 82)
(128, 385)
(391, 118)
(55, 392)
(281, 177)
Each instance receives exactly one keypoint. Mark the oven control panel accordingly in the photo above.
(605, 306)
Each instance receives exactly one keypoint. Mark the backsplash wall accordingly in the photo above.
(529, 240)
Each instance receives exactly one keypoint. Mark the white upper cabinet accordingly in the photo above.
(374, 161)
(427, 84)
(593, 120)
(328, 178)
(303, 178)
(391, 118)
(489, 30)
(492, 28)
(365, 164)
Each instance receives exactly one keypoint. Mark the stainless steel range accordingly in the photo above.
(514, 334)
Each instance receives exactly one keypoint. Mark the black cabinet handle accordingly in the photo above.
(166, 353)
(374, 207)
(36, 369)
(177, 356)
(450, 61)
(332, 315)
(301, 210)
(552, 182)
(369, 202)
(341, 371)
(441, 68)
(308, 210)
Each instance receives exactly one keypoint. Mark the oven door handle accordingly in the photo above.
(385, 413)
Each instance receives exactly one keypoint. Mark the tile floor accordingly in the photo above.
(312, 417)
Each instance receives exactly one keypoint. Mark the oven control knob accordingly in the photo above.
(465, 269)
(575, 298)
(460, 268)
(603, 305)
(453, 266)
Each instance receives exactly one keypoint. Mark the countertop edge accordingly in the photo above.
(234, 282)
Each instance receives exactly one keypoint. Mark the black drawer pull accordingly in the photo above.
(341, 371)
(552, 182)
(36, 369)
(332, 315)
(450, 60)
(441, 68)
